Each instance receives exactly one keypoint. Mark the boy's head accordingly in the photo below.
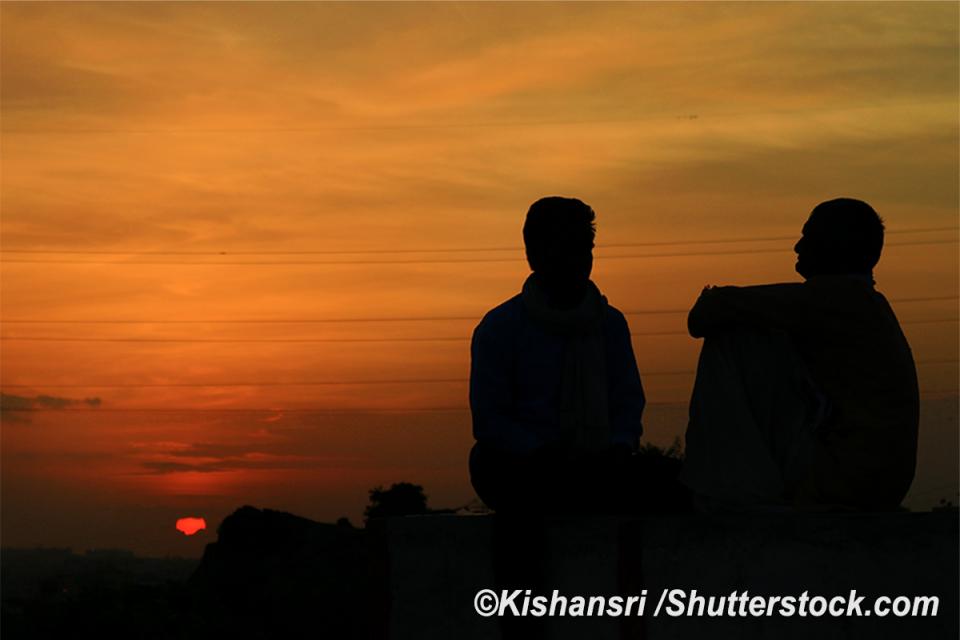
(558, 235)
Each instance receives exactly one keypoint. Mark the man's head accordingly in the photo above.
(842, 236)
(558, 235)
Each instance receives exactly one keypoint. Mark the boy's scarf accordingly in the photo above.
(584, 418)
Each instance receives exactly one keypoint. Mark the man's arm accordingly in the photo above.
(491, 391)
(626, 391)
(773, 306)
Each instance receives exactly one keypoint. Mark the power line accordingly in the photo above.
(472, 317)
(302, 383)
(307, 383)
(238, 410)
(490, 124)
(924, 299)
(279, 340)
(416, 126)
(317, 383)
(274, 410)
(429, 261)
(933, 321)
(336, 340)
(232, 340)
(433, 250)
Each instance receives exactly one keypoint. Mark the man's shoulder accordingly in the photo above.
(775, 293)
(851, 293)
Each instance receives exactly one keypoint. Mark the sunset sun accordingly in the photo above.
(191, 526)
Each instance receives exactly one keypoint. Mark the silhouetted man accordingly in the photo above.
(554, 387)
(806, 393)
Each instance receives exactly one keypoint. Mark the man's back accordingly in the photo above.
(859, 356)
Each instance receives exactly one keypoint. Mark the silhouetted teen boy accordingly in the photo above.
(806, 393)
(554, 387)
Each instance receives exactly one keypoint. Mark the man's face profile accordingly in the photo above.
(817, 249)
(842, 236)
(803, 252)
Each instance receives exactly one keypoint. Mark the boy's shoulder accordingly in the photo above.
(506, 313)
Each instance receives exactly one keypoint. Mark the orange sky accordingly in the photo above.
(149, 138)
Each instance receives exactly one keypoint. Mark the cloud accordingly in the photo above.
(16, 409)
(207, 457)
(35, 83)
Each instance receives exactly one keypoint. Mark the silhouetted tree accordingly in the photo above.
(401, 499)
(946, 505)
(674, 451)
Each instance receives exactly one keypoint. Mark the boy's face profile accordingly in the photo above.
(566, 262)
(558, 235)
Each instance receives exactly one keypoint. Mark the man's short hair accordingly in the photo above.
(557, 220)
(857, 231)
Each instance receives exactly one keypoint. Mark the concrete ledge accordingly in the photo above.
(436, 564)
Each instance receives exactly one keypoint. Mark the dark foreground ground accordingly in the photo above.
(269, 575)
(274, 575)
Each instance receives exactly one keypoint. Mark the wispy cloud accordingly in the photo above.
(208, 457)
(15, 408)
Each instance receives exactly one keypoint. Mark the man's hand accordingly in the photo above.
(698, 317)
